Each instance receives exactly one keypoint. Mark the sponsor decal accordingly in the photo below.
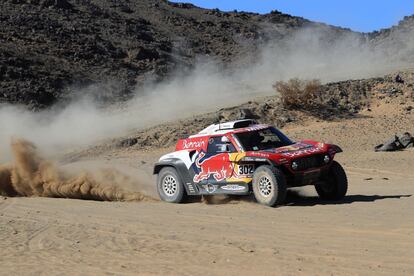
(190, 187)
(259, 154)
(283, 160)
(301, 152)
(248, 159)
(233, 187)
(260, 159)
(219, 166)
(193, 144)
(210, 188)
(294, 147)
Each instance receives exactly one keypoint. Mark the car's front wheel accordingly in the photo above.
(335, 185)
(269, 186)
(169, 186)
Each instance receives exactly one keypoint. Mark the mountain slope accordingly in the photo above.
(49, 47)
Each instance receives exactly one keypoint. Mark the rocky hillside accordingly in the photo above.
(50, 47)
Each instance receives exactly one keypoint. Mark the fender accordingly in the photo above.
(334, 148)
(182, 171)
(259, 160)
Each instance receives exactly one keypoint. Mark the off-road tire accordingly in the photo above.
(336, 184)
(170, 187)
(269, 186)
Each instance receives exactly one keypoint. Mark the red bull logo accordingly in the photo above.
(219, 166)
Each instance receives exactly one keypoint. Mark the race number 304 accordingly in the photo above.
(246, 169)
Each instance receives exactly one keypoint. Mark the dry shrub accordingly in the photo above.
(299, 94)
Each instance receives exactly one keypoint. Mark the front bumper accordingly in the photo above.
(309, 177)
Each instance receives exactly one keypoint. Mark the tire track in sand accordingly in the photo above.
(6, 203)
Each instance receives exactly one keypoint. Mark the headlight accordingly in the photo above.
(294, 165)
(326, 159)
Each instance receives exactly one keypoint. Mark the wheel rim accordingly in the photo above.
(265, 186)
(169, 185)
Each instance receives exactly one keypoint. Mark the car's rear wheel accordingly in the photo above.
(269, 186)
(169, 186)
(336, 184)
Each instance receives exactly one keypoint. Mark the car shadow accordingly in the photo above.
(220, 199)
(295, 199)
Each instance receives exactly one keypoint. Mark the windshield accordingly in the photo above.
(263, 139)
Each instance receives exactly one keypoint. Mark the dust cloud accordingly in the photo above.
(31, 175)
(309, 53)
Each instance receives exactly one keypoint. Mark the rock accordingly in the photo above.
(129, 142)
(125, 9)
(181, 5)
(285, 119)
(143, 54)
(60, 4)
(393, 91)
(246, 113)
(264, 107)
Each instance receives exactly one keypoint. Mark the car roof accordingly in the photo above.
(230, 127)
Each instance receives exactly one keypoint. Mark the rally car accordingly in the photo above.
(244, 157)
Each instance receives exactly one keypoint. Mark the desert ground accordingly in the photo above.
(370, 232)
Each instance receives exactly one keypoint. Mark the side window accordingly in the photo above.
(215, 145)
